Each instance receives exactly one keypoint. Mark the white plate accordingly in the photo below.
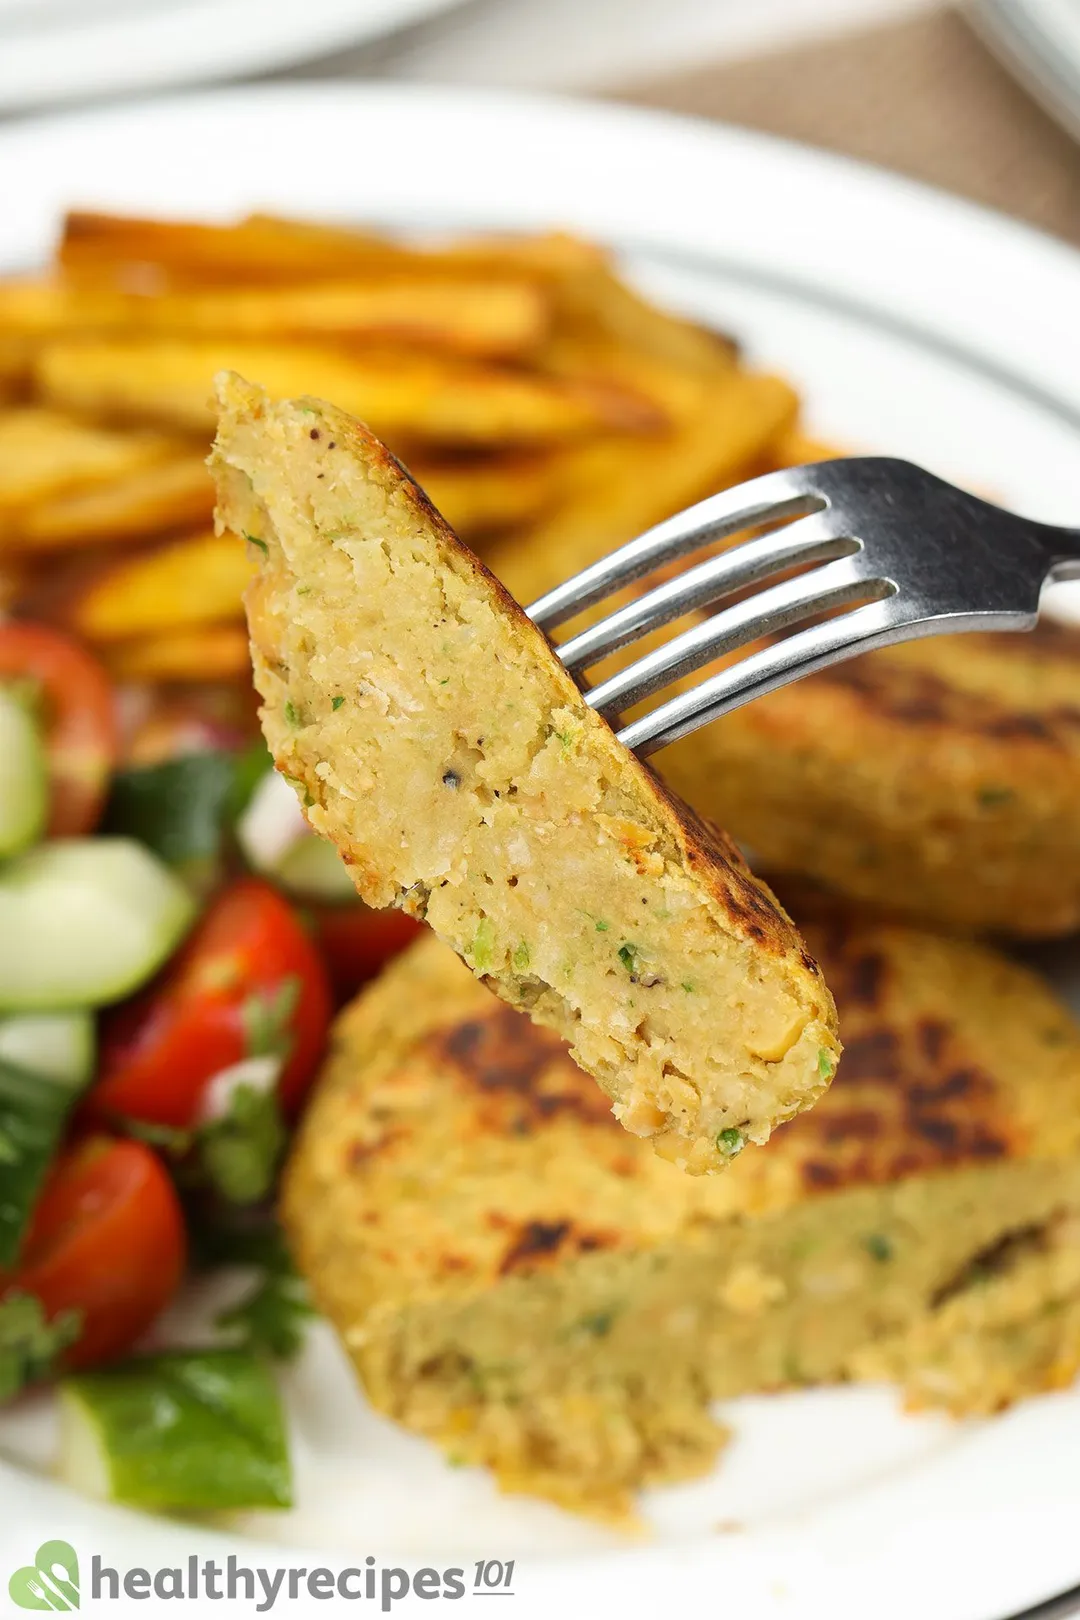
(913, 324)
(1039, 40)
(67, 50)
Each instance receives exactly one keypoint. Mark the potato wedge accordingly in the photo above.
(214, 653)
(44, 453)
(402, 395)
(194, 580)
(151, 254)
(172, 494)
(618, 487)
(797, 448)
(479, 496)
(101, 247)
(482, 316)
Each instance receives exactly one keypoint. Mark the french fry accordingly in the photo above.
(598, 303)
(616, 487)
(214, 653)
(477, 497)
(44, 453)
(796, 448)
(173, 494)
(16, 366)
(100, 247)
(151, 255)
(178, 584)
(404, 396)
(486, 317)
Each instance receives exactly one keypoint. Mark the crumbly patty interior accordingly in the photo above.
(519, 1281)
(437, 741)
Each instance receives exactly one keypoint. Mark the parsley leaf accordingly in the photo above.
(272, 1317)
(241, 1150)
(266, 1016)
(30, 1345)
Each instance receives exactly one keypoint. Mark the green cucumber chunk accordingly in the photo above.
(181, 809)
(59, 1045)
(33, 1112)
(196, 1431)
(313, 869)
(85, 921)
(24, 782)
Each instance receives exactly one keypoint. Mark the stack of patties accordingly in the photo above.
(523, 1282)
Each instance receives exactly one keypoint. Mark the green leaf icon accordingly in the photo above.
(50, 1583)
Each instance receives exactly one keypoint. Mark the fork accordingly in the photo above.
(886, 548)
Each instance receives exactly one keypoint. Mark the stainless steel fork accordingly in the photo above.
(897, 551)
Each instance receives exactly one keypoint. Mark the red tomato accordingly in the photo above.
(80, 720)
(107, 1240)
(248, 964)
(358, 942)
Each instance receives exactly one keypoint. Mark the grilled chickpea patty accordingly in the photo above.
(435, 738)
(520, 1281)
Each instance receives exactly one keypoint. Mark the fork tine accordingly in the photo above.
(835, 584)
(809, 539)
(861, 630)
(767, 499)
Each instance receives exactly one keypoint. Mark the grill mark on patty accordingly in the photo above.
(537, 1242)
(907, 1098)
(920, 697)
(522, 1072)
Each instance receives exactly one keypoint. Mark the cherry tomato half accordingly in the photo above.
(82, 739)
(248, 980)
(358, 942)
(107, 1240)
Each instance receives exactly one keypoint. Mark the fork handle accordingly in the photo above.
(1064, 554)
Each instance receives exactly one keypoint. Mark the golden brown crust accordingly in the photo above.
(940, 778)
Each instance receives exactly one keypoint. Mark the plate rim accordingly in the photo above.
(192, 41)
(547, 124)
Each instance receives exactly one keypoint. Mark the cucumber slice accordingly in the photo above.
(276, 840)
(180, 809)
(59, 1045)
(84, 921)
(24, 783)
(33, 1113)
(313, 868)
(196, 1431)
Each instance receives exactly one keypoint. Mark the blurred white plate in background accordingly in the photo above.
(61, 50)
(912, 324)
(1039, 41)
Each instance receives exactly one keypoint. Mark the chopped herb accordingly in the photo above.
(730, 1142)
(877, 1245)
(271, 1318)
(253, 540)
(266, 1017)
(292, 714)
(482, 949)
(300, 788)
(628, 956)
(688, 987)
(304, 590)
(598, 1323)
(336, 702)
(826, 1064)
(240, 1151)
(445, 681)
(521, 958)
(990, 797)
(29, 1344)
(169, 1139)
(601, 926)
